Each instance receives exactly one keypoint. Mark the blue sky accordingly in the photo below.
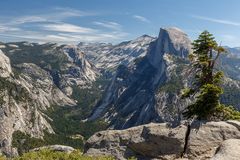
(72, 21)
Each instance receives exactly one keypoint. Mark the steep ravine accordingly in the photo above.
(41, 84)
(24, 98)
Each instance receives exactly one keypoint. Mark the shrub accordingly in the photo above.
(54, 155)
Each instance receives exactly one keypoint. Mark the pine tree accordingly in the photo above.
(206, 85)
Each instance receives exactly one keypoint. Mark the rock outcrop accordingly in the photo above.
(152, 140)
(58, 148)
(170, 41)
(5, 67)
(78, 70)
(164, 142)
(229, 150)
(206, 138)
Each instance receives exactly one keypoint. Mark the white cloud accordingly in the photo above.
(27, 19)
(55, 15)
(65, 27)
(103, 37)
(110, 25)
(8, 28)
(221, 21)
(141, 18)
(64, 37)
(51, 26)
(70, 12)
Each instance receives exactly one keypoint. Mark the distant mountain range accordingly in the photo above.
(148, 89)
(128, 84)
(108, 56)
(234, 51)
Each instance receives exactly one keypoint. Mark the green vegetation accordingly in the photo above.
(2, 158)
(175, 84)
(24, 142)
(67, 121)
(68, 132)
(231, 96)
(54, 155)
(64, 124)
(230, 65)
(206, 85)
(88, 97)
(51, 139)
(13, 90)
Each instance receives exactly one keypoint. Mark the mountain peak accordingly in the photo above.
(144, 38)
(172, 29)
(177, 37)
(172, 41)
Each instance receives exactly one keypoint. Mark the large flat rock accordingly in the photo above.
(229, 149)
(159, 141)
(151, 140)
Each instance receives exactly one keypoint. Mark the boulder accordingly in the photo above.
(158, 140)
(205, 138)
(229, 150)
(59, 148)
(151, 140)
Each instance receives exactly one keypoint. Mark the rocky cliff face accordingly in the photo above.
(66, 63)
(5, 68)
(24, 98)
(78, 71)
(172, 41)
(133, 97)
(149, 88)
(230, 65)
(160, 141)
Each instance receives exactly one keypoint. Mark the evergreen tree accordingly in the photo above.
(206, 84)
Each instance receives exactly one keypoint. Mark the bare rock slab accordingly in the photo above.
(159, 141)
(151, 140)
(229, 149)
